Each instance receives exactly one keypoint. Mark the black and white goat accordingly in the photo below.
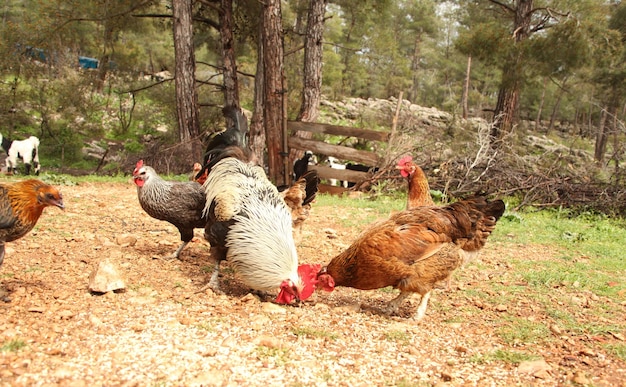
(301, 166)
(27, 150)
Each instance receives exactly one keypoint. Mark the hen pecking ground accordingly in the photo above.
(160, 332)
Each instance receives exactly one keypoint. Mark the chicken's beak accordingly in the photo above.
(59, 203)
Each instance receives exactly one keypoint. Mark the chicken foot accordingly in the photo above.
(179, 250)
(421, 308)
(4, 294)
(394, 304)
(213, 283)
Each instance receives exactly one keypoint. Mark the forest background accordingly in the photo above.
(127, 79)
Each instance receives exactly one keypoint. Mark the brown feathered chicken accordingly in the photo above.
(419, 190)
(414, 249)
(21, 205)
(299, 197)
(179, 203)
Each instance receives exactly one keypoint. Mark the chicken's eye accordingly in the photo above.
(49, 196)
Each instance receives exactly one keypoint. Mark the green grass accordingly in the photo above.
(12, 345)
(312, 332)
(399, 336)
(518, 330)
(511, 357)
(618, 350)
(279, 356)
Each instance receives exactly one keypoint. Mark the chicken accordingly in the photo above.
(197, 167)
(419, 195)
(419, 191)
(178, 203)
(299, 197)
(21, 205)
(414, 249)
(232, 142)
(250, 226)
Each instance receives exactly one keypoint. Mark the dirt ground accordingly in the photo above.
(161, 332)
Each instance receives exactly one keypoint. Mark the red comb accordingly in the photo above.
(406, 159)
(139, 164)
(308, 275)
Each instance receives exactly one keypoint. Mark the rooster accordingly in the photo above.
(21, 205)
(179, 203)
(232, 142)
(414, 249)
(250, 226)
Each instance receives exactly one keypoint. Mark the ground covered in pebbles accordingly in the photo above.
(161, 332)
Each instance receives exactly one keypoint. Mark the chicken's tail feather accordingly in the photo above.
(312, 183)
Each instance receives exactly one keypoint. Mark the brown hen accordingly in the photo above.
(414, 249)
(21, 205)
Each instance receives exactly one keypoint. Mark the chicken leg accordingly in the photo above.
(394, 304)
(4, 294)
(218, 254)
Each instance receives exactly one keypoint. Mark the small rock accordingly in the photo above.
(349, 309)
(501, 308)
(269, 341)
(210, 352)
(269, 307)
(63, 372)
(534, 367)
(587, 352)
(330, 233)
(580, 378)
(248, 298)
(209, 378)
(138, 328)
(413, 350)
(461, 349)
(37, 309)
(66, 314)
(446, 377)
(105, 278)
(126, 240)
(555, 329)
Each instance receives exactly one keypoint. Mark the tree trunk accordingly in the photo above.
(184, 77)
(312, 82)
(274, 90)
(415, 67)
(541, 102)
(506, 108)
(601, 138)
(508, 95)
(555, 108)
(466, 86)
(229, 72)
(257, 127)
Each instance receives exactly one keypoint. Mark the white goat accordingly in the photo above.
(27, 150)
(335, 164)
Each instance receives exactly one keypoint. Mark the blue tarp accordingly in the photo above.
(87, 63)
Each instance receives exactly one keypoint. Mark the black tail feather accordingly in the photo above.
(312, 183)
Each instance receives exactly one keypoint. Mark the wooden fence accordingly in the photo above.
(343, 153)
